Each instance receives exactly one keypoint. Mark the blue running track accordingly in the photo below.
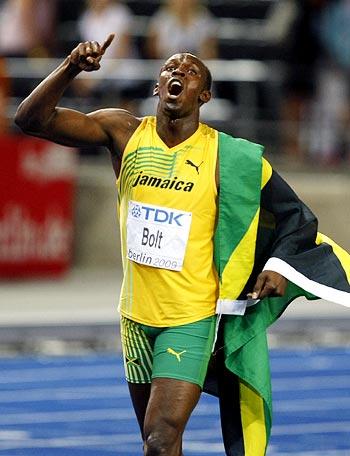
(79, 406)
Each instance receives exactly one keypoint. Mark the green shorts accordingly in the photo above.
(180, 352)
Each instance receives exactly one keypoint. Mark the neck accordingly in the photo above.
(174, 131)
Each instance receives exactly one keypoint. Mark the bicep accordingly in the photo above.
(73, 128)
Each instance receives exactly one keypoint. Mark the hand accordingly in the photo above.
(86, 56)
(268, 283)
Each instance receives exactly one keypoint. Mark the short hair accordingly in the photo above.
(208, 76)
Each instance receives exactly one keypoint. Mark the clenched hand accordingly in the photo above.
(86, 56)
(268, 283)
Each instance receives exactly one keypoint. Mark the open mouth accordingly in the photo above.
(175, 88)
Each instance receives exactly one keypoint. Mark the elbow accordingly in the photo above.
(27, 121)
(22, 119)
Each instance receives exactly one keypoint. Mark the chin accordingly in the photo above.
(173, 108)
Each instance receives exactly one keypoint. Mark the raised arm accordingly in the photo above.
(38, 114)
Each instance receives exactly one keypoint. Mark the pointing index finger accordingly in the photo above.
(108, 41)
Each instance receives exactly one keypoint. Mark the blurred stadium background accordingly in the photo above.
(281, 72)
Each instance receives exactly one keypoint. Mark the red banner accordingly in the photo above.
(37, 180)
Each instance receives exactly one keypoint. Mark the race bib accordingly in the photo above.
(157, 236)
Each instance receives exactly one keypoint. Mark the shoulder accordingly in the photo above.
(118, 124)
(115, 118)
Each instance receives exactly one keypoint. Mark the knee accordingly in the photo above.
(156, 444)
(163, 442)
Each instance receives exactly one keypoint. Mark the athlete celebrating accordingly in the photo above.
(168, 179)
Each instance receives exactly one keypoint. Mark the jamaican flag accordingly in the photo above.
(262, 224)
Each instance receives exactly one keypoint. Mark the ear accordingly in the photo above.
(156, 90)
(204, 97)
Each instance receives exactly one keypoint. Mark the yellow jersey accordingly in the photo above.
(167, 213)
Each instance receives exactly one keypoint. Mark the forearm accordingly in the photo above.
(36, 111)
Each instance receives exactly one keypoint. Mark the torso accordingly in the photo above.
(170, 183)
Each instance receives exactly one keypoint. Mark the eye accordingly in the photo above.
(170, 68)
(192, 71)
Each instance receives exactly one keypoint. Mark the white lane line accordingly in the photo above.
(315, 363)
(204, 409)
(38, 360)
(61, 394)
(13, 435)
(211, 410)
(331, 427)
(214, 433)
(297, 353)
(204, 447)
(68, 416)
(312, 405)
(74, 441)
(86, 415)
(47, 374)
(120, 391)
(311, 383)
(311, 453)
(190, 446)
(106, 440)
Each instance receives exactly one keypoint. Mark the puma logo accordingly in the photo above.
(189, 162)
(177, 355)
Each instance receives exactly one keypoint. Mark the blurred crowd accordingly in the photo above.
(310, 38)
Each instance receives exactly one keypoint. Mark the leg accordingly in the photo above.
(177, 359)
(138, 357)
(140, 394)
(180, 361)
(169, 408)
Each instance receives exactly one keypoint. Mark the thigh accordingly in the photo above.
(169, 408)
(183, 352)
(137, 352)
(171, 401)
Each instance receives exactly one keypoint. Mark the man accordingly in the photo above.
(169, 171)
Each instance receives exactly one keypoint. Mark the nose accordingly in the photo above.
(178, 71)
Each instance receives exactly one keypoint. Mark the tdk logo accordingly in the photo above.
(161, 216)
